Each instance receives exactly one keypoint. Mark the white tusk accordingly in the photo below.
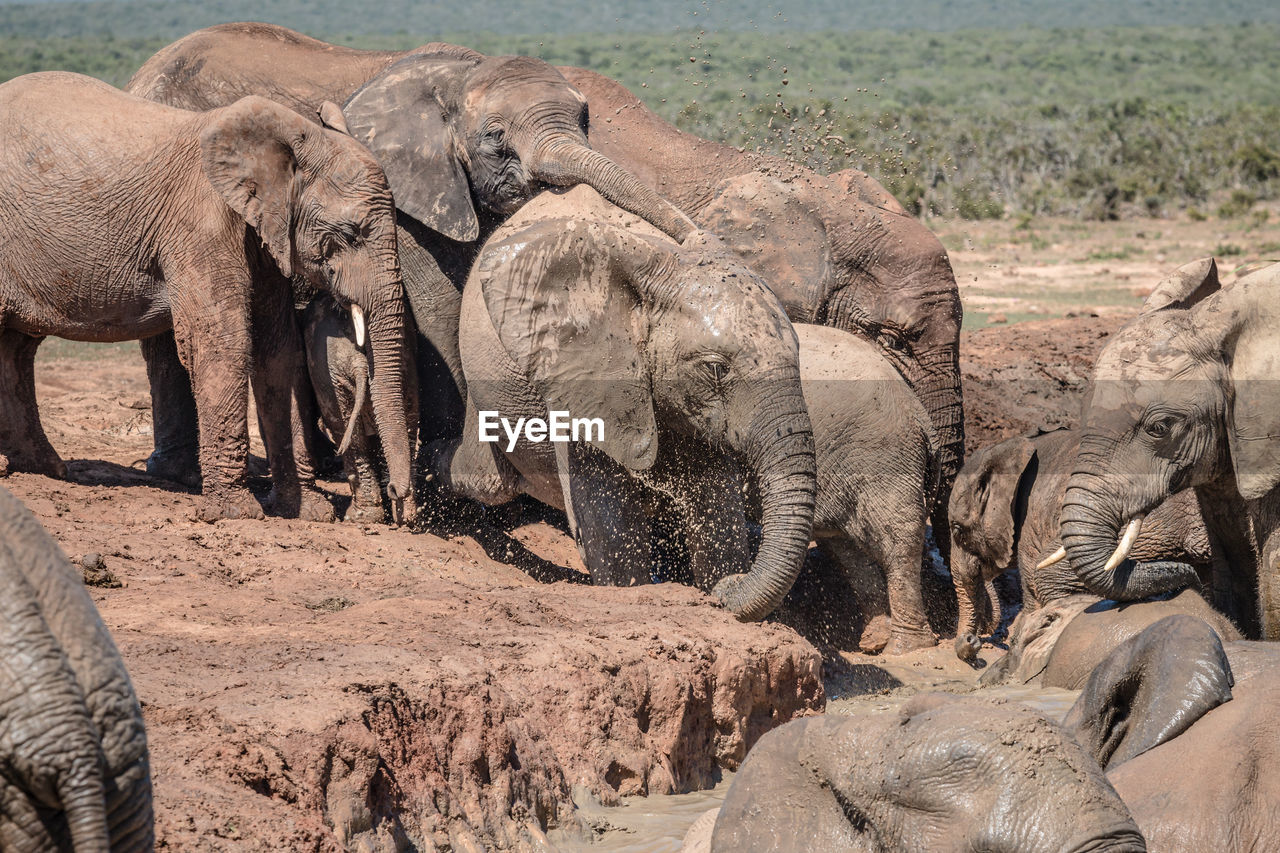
(1056, 557)
(357, 320)
(1126, 543)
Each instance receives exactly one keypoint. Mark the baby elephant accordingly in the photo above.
(74, 771)
(1004, 516)
(877, 475)
(340, 375)
(123, 218)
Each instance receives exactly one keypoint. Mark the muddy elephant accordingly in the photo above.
(1004, 517)
(1060, 644)
(838, 249)
(1184, 396)
(689, 365)
(878, 469)
(940, 773)
(339, 375)
(1185, 726)
(73, 748)
(465, 139)
(125, 219)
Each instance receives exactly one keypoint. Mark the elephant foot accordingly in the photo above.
(904, 640)
(365, 514)
(968, 645)
(303, 502)
(47, 464)
(315, 506)
(234, 503)
(178, 466)
(875, 636)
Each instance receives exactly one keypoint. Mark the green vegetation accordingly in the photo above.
(1091, 123)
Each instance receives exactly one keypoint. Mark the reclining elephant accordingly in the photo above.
(465, 139)
(690, 365)
(125, 219)
(73, 748)
(1004, 516)
(1185, 396)
(838, 249)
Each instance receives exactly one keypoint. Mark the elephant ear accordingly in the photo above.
(985, 496)
(568, 302)
(250, 152)
(1150, 689)
(1185, 286)
(405, 116)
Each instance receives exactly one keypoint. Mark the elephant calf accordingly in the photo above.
(340, 376)
(878, 471)
(74, 771)
(123, 219)
(1004, 516)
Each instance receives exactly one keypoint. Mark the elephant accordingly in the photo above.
(74, 766)
(1004, 516)
(878, 469)
(941, 773)
(1183, 397)
(1184, 724)
(1060, 644)
(838, 249)
(687, 361)
(464, 139)
(340, 378)
(125, 219)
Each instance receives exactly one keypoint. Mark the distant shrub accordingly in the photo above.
(1240, 203)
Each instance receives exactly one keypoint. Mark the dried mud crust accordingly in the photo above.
(314, 686)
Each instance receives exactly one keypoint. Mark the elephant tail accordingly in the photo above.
(357, 406)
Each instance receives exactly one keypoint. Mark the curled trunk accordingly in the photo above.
(1090, 534)
(564, 161)
(780, 454)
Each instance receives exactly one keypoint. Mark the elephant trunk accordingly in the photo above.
(564, 161)
(937, 385)
(779, 448)
(389, 362)
(84, 802)
(1091, 534)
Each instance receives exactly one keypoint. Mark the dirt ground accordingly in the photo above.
(321, 687)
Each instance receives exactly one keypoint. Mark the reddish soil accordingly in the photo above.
(315, 687)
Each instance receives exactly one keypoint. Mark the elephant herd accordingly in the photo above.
(390, 248)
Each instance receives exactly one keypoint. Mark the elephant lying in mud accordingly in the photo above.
(149, 218)
(1182, 723)
(1004, 516)
(465, 139)
(942, 773)
(838, 249)
(688, 361)
(72, 744)
(1059, 644)
(1185, 395)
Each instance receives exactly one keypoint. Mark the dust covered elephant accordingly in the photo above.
(124, 219)
(73, 749)
(465, 139)
(691, 366)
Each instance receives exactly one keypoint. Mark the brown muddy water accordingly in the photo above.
(860, 685)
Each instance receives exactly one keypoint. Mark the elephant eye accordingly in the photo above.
(495, 136)
(1159, 428)
(890, 338)
(716, 369)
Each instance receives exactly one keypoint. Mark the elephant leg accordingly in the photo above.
(471, 468)
(898, 548)
(866, 578)
(434, 269)
(174, 425)
(215, 348)
(283, 394)
(606, 509)
(22, 440)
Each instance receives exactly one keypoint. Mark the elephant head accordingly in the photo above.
(454, 126)
(608, 322)
(941, 773)
(74, 769)
(1150, 689)
(984, 524)
(840, 251)
(1183, 396)
(321, 205)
